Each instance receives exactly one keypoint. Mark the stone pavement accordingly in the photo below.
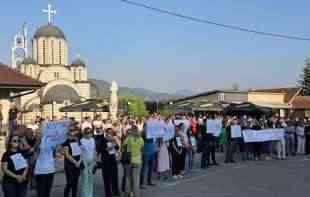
(252, 178)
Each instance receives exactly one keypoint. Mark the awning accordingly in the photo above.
(272, 105)
(87, 106)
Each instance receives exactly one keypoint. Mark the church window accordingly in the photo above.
(74, 73)
(30, 70)
(44, 51)
(56, 75)
(52, 43)
(60, 52)
(80, 74)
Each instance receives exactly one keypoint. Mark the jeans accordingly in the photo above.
(147, 167)
(281, 149)
(189, 160)
(301, 144)
(44, 184)
(132, 179)
(14, 189)
(290, 144)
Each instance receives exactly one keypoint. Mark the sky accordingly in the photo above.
(140, 48)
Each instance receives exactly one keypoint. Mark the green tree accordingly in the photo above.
(134, 105)
(304, 82)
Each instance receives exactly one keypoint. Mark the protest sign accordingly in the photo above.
(263, 135)
(19, 161)
(169, 131)
(155, 129)
(236, 131)
(214, 127)
(55, 132)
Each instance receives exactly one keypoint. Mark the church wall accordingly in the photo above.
(84, 89)
(49, 74)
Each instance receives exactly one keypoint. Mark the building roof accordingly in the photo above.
(289, 92)
(12, 79)
(49, 31)
(301, 102)
(61, 93)
(209, 93)
(78, 62)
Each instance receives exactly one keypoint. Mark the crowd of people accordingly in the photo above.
(123, 148)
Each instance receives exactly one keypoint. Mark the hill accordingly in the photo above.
(148, 95)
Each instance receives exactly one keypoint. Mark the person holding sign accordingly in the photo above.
(108, 148)
(72, 153)
(15, 168)
(176, 149)
(231, 125)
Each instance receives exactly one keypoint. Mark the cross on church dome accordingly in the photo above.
(50, 12)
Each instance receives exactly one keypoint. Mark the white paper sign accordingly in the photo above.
(236, 131)
(111, 147)
(55, 132)
(76, 149)
(19, 161)
(179, 142)
(155, 129)
(214, 127)
(263, 135)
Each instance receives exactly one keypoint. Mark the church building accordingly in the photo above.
(66, 83)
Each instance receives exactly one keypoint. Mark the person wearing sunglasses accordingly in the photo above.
(14, 167)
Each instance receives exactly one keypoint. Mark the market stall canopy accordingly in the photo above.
(246, 108)
(88, 106)
(189, 106)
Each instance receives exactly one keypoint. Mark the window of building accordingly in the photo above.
(44, 51)
(60, 52)
(80, 74)
(56, 75)
(221, 97)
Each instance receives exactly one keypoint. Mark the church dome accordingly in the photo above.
(61, 93)
(29, 60)
(78, 62)
(49, 31)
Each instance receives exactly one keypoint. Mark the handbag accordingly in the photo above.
(126, 156)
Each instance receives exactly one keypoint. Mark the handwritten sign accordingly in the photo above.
(155, 129)
(236, 131)
(214, 127)
(55, 133)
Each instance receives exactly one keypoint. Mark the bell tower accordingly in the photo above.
(19, 47)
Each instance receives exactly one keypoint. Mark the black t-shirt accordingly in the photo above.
(69, 144)
(8, 157)
(106, 155)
